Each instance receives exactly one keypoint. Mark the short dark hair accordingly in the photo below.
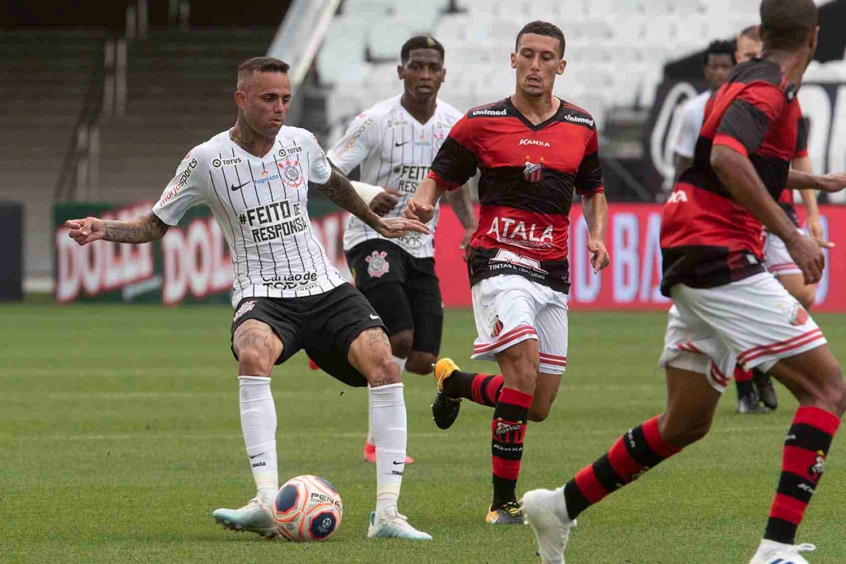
(753, 32)
(420, 42)
(261, 64)
(719, 47)
(786, 24)
(547, 29)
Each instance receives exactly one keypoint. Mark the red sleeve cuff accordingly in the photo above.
(731, 143)
(442, 182)
(589, 193)
(800, 154)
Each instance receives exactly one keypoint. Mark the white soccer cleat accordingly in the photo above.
(771, 552)
(392, 525)
(551, 531)
(255, 517)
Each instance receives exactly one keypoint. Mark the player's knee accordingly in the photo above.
(835, 393)
(421, 362)
(384, 371)
(682, 433)
(253, 361)
(401, 343)
(539, 413)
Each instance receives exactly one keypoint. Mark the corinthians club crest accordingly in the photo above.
(291, 173)
(377, 264)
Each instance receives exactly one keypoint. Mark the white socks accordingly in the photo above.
(401, 363)
(258, 424)
(390, 435)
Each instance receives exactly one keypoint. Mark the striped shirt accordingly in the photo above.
(394, 150)
(260, 204)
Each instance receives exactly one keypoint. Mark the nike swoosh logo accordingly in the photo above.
(401, 144)
(398, 463)
(255, 455)
(236, 188)
(374, 316)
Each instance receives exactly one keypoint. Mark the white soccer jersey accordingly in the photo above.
(260, 204)
(693, 115)
(395, 151)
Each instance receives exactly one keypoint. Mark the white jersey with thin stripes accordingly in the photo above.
(394, 150)
(260, 204)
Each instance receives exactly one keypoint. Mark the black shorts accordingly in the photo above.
(403, 289)
(324, 325)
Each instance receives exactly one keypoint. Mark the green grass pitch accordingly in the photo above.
(119, 434)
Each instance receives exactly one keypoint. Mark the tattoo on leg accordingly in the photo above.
(381, 382)
(376, 336)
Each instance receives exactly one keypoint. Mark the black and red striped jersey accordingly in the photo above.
(708, 239)
(528, 176)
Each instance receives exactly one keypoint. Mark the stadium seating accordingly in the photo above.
(616, 48)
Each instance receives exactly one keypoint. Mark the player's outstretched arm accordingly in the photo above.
(742, 181)
(831, 182)
(341, 192)
(142, 229)
(595, 210)
(422, 205)
(809, 197)
(460, 202)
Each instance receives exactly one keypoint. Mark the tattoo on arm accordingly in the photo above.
(340, 191)
(460, 202)
(141, 229)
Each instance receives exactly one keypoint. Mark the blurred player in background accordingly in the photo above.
(534, 151)
(726, 306)
(394, 143)
(255, 179)
(717, 63)
(776, 258)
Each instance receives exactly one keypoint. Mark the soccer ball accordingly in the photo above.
(307, 508)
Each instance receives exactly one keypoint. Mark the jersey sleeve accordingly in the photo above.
(589, 179)
(685, 142)
(802, 138)
(319, 169)
(455, 162)
(355, 145)
(188, 188)
(747, 119)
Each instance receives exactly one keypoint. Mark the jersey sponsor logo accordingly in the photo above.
(377, 264)
(504, 258)
(274, 221)
(534, 142)
(507, 230)
(287, 151)
(218, 163)
(422, 141)
(532, 172)
(489, 112)
(301, 281)
(180, 182)
(266, 177)
(398, 144)
(291, 173)
(397, 123)
(678, 197)
(245, 307)
(576, 119)
(355, 137)
(236, 188)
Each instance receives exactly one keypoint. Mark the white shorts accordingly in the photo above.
(510, 309)
(754, 321)
(776, 258)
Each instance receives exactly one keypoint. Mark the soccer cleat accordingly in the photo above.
(392, 525)
(254, 517)
(550, 530)
(748, 405)
(771, 552)
(370, 454)
(764, 384)
(508, 514)
(444, 409)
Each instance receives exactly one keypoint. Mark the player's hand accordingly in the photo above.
(385, 201)
(419, 211)
(397, 227)
(87, 230)
(807, 255)
(464, 247)
(600, 258)
(815, 231)
(833, 182)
